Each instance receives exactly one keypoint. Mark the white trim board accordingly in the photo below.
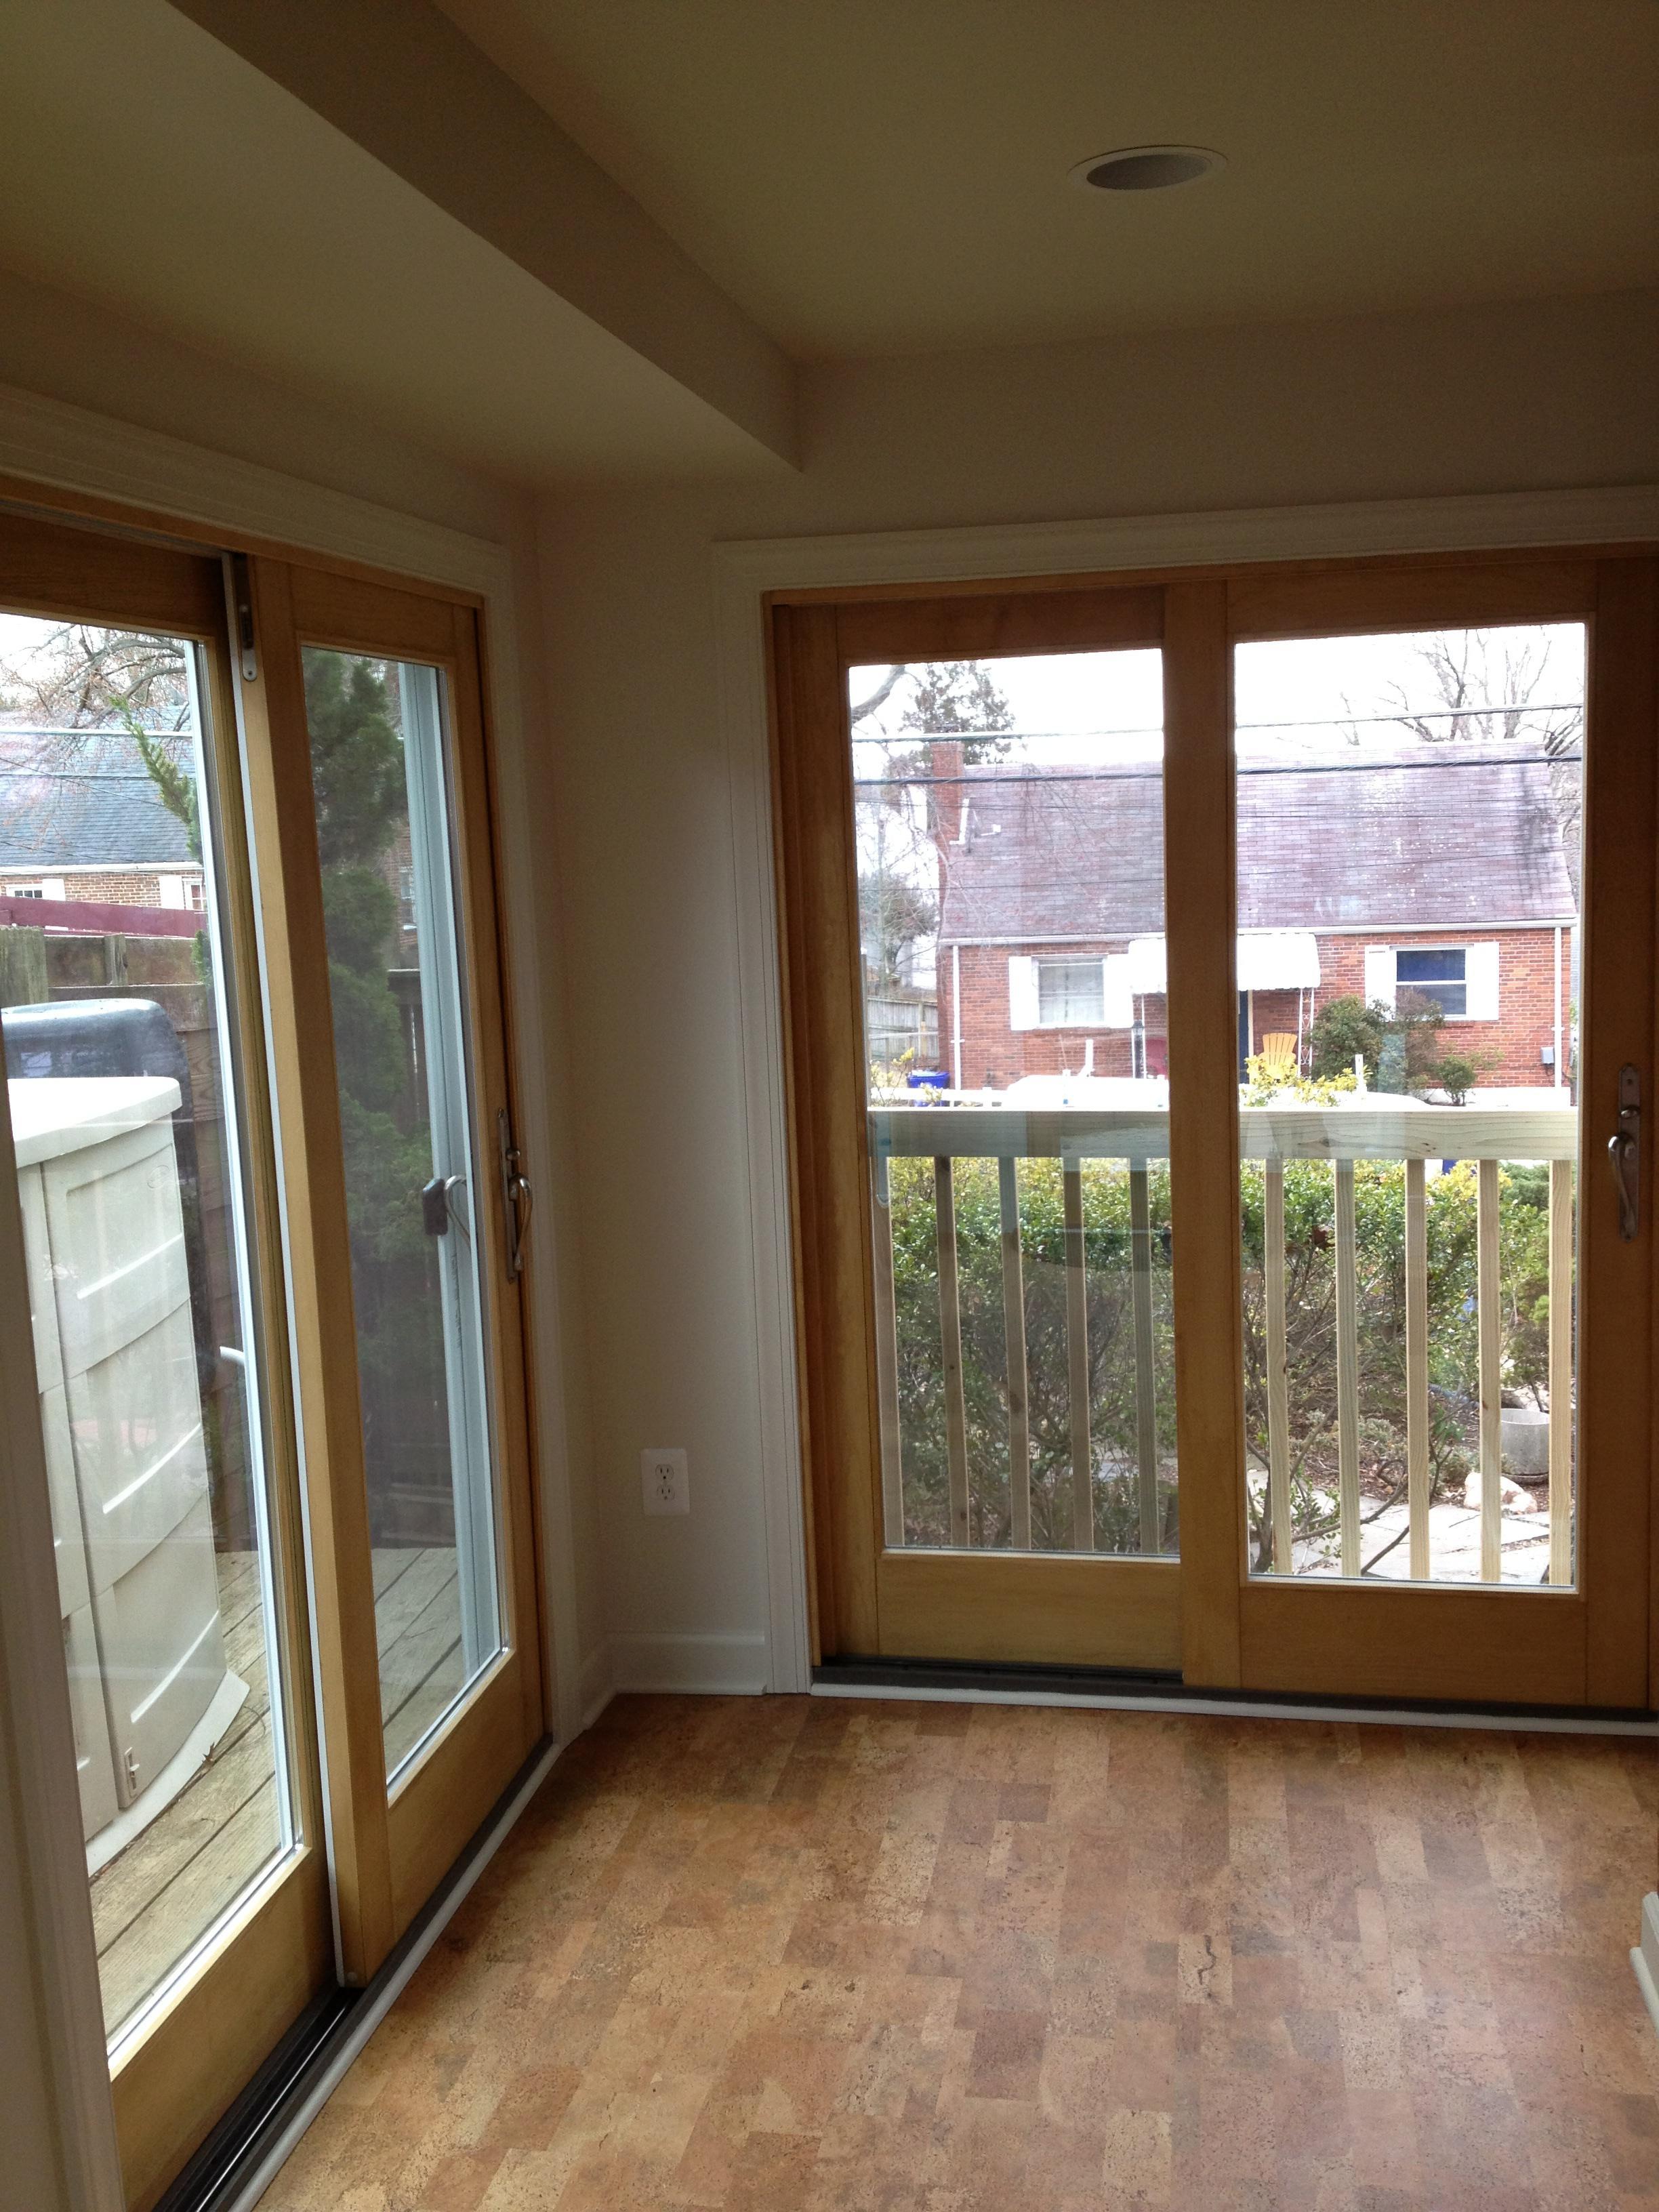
(744, 571)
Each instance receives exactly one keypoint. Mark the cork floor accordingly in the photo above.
(792, 1955)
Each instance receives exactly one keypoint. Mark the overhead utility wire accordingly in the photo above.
(984, 780)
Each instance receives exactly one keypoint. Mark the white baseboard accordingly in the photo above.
(1644, 1959)
(730, 1665)
(596, 1684)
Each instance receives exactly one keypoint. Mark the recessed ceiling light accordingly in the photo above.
(1146, 169)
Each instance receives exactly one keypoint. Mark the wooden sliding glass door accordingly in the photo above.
(131, 1003)
(272, 1224)
(404, 1181)
(1211, 1001)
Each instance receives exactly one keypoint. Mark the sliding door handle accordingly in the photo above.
(1625, 1153)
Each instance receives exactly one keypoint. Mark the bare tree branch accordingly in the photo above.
(879, 697)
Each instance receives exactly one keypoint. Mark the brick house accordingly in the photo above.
(1438, 871)
(81, 819)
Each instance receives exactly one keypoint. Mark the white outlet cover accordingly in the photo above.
(665, 1482)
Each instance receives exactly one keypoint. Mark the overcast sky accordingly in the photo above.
(1107, 706)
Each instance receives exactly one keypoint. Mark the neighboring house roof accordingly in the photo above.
(1420, 839)
(83, 798)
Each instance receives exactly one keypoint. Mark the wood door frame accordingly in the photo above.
(391, 1850)
(1231, 1626)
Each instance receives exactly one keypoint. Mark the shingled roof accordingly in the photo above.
(1428, 838)
(83, 798)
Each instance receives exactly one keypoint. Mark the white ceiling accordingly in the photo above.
(146, 168)
(879, 176)
(857, 176)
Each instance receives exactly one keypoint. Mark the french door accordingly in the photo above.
(259, 1133)
(1211, 1004)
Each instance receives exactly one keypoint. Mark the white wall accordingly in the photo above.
(1523, 398)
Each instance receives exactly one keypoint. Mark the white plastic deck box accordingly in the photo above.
(115, 1357)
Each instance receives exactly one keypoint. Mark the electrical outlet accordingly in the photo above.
(663, 1479)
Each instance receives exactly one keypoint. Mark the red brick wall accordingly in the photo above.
(994, 1055)
(110, 890)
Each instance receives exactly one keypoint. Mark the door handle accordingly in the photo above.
(1625, 1153)
(435, 1205)
(517, 1197)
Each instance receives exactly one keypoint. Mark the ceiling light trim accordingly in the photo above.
(1137, 169)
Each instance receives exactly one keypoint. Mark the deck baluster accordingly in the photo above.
(1013, 1328)
(950, 1328)
(1417, 1368)
(1488, 1315)
(1140, 1262)
(1279, 1405)
(887, 1407)
(1077, 1347)
(1561, 1370)
(1347, 1369)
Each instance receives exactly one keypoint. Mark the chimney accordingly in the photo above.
(948, 792)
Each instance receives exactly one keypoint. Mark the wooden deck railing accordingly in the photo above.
(1272, 1135)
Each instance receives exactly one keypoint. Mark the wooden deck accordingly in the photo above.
(151, 1903)
(418, 1617)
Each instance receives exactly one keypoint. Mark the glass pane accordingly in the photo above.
(414, 1177)
(1010, 836)
(123, 1086)
(1409, 885)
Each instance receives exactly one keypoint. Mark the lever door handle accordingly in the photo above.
(1625, 1154)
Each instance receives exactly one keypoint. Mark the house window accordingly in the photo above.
(1437, 973)
(196, 893)
(28, 890)
(1461, 980)
(1070, 993)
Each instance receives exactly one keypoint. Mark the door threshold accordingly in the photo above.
(1114, 1689)
(242, 2156)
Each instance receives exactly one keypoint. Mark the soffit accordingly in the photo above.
(146, 169)
(866, 177)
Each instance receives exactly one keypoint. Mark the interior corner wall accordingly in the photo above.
(1544, 396)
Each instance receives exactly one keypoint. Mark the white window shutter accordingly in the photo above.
(1481, 980)
(52, 887)
(1022, 1010)
(171, 890)
(1379, 976)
